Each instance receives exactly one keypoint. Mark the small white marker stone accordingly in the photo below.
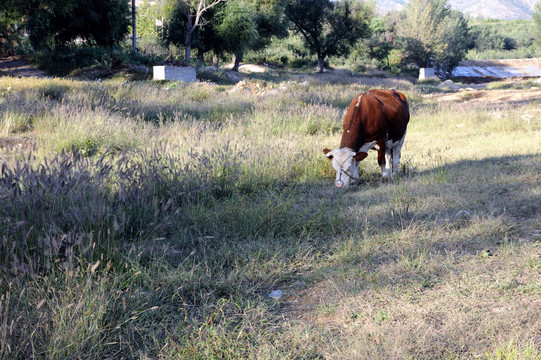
(276, 294)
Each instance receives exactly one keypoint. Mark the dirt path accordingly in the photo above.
(15, 66)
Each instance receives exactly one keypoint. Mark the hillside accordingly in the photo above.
(490, 9)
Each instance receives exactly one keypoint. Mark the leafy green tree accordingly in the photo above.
(422, 30)
(486, 38)
(194, 13)
(203, 38)
(503, 39)
(231, 27)
(147, 14)
(270, 20)
(250, 25)
(102, 22)
(457, 39)
(329, 27)
(537, 21)
(10, 26)
(433, 35)
(237, 27)
(54, 22)
(379, 45)
(45, 20)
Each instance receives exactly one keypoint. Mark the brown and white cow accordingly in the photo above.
(376, 119)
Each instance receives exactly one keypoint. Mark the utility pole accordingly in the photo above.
(133, 26)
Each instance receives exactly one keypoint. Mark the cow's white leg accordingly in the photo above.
(397, 151)
(386, 168)
(396, 159)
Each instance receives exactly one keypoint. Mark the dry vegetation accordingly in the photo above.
(151, 221)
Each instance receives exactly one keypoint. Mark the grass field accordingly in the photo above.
(144, 220)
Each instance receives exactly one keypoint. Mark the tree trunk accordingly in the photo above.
(320, 63)
(215, 61)
(188, 38)
(134, 28)
(200, 56)
(236, 61)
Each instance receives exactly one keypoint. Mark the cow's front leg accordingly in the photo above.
(388, 164)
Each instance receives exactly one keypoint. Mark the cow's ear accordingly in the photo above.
(360, 156)
(328, 153)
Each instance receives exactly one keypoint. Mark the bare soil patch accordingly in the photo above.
(12, 143)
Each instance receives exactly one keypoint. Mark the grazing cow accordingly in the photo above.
(376, 119)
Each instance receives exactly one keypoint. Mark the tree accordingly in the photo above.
(231, 27)
(45, 20)
(250, 25)
(380, 43)
(9, 26)
(422, 30)
(53, 22)
(203, 38)
(329, 27)
(237, 28)
(486, 38)
(102, 22)
(433, 34)
(270, 20)
(457, 40)
(147, 14)
(537, 21)
(194, 11)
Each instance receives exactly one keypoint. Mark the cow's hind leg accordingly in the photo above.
(384, 159)
(397, 150)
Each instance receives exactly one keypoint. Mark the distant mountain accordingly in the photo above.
(488, 9)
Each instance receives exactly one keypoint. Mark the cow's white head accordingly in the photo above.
(346, 163)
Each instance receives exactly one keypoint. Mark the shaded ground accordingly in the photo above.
(15, 66)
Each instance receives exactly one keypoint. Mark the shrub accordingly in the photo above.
(65, 60)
